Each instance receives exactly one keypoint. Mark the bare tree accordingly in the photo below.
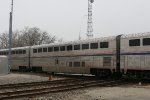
(34, 36)
(27, 37)
(4, 40)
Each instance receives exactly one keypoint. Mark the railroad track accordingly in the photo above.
(66, 86)
(18, 85)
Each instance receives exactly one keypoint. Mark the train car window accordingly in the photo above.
(62, 48)
(104, 44)
(146, 41)
(85, 46)
(69, 47)
(83, 64)
(56, 49)
(77, 47)
(70, 64)
(106, 61)
(20, 51)
(6, 52)
(76, 64)
(34, 50)
(24, 51)
(56, 61)
(39, 50)
(94, 45)
(134, 42)
(13, 52)
(44, 49)
(0, 53)
(50, 49)
(17, 52)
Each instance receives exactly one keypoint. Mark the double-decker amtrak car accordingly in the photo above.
(19, 57)
(135, 54)
(123, 54)
(75, 57)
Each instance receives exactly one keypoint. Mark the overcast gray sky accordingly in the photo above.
(66, 18)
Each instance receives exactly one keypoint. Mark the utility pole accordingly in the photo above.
(10, 36)
(90, 22)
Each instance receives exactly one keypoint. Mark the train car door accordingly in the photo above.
(57, 64)
(122, 64)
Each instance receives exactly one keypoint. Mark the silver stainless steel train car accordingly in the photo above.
(20, 57)
(128, 55)
(135, 54)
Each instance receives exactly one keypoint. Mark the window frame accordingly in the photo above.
(40, 50)
(69, 47)
(56, 49)
(45, 49)
(146, 44)
(62, 48)
(35, 50)
(92, 45)
(77, 47)
(134, 40)
(104, 45)
(84, 45)
(50, 49)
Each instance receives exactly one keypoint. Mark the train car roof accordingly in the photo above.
(136, 35)
(103, 39)
(17, 48)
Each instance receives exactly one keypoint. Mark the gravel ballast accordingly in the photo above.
(129, 92)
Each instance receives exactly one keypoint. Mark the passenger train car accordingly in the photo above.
(122, 54)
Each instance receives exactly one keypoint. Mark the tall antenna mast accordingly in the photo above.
(90, 22)
(10, 36)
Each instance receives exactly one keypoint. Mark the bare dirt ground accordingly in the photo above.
(124, 92)
(13, 78)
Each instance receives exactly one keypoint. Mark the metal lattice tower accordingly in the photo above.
(90, 22)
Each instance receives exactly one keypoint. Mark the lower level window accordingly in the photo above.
(76, 64)
(70, 64)
(83, 64)
(106, 61)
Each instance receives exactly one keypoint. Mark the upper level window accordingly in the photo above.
(20, 51)
(56, 48)
(77, 47)
(85, 46)
(94, 45)
(6, 52)
(24, 51)
(146, 41)
(69, 47)
(134, 42)
(50, 49)
(104, 45)
(13, 52)
(34, 50)
(39, 50)
(62, 48)
(44, 49)
(17, 52)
